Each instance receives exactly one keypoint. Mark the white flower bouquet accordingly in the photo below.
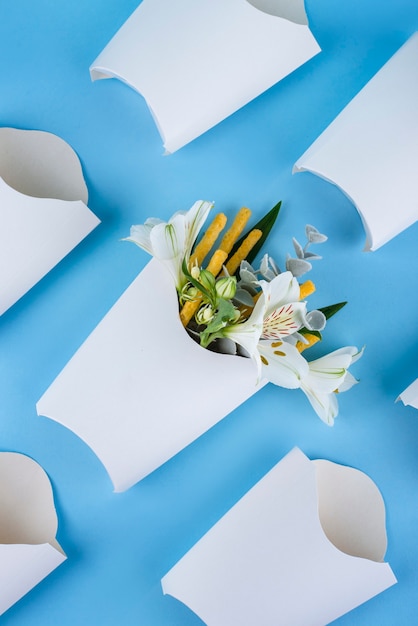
(228, 306)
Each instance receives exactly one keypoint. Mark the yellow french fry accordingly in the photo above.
(208, 240)
(312, 339)
(238, 225)
(306, 289)
(188, 309)
(243, 251)
(216, 262)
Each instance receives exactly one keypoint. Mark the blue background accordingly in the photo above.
(120, 545)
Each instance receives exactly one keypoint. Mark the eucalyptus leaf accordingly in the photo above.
(269, 268)
(298, 248)
(312, 256)
(313, 235)
(242, 296)
(223, 345)
(297, 266)
(243, 352)
(246, 276)
(276, 268)
(268, 274)
(245, 266)
(316, 320)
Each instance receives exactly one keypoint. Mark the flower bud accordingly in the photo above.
(205, 314)
(226, 287)
(195, 272)
(207, 279)
(189, 292)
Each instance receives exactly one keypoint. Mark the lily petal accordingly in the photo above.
(324, 404)
(349, 381)
(282, 363)
(284, 288)
(327, 373)
(247, 334)
(285, 320)
(284, 315)
(140, 235)
(172, 241)
(195, 217)
(168, 240)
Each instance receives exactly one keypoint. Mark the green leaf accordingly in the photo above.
(265, 225)
(223, 315)
(331, 310)
(305, 331)
(195, 282)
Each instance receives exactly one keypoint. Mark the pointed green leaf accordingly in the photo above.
(305, 331)
(331, 310)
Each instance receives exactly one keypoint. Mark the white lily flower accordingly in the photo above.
(172, 241)
(247, 334)
(284, 314)
(282, 363)
(327, 375)
(276, 315)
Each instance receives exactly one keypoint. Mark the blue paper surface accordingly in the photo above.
(120, 545)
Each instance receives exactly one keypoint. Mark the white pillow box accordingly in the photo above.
(370, 150)
(410, 396)
(135, 391)
(28, 524)
(43, 210)
(304, 546)
(197, 61)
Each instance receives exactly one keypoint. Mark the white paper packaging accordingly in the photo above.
(410, 396)
(133, 391)
(196, 62)
(28, 525)
(304, 546)
(370, 150)
(43, 212)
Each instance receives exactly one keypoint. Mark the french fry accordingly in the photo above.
(216, 262)
(236, 229)
(215, 265)
(312, 339)
(188, 309)
(306, 289)
(242, 252)
(206, 243)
